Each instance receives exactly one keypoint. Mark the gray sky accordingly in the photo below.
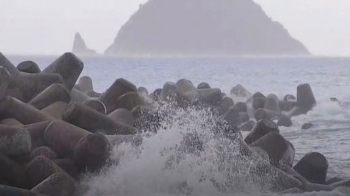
(48, 26)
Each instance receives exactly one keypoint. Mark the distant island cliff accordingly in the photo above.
(203, 27)
(79, 46)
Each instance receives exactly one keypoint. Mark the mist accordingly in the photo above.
(48, 27)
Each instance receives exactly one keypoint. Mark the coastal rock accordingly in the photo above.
(229, 28)
(79, 46)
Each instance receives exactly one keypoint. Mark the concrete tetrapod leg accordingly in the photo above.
(62, 137)
(68, 166)
(93, 121)
(13, 191)
(203, 85)
(313, 166)
(13, 172)
(26, 114)
(4, 81)
(58, 184)
(117, 89)
(261, 128)
(169, 92)
(123, 116)
(43, 151)
(78, 96)
(85, 84)
(96, 105)
(69, 67)
(275, 146)
(91, 152)
(129, 101)
(15, 142)
(55, 110)
(28, 67)
(40, 168)
(279, 180)
(4, 62)
(25, 86)
(11, 122)
(36, 131)
(52, 94)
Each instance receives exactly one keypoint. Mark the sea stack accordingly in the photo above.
(203, 28)
(79, 46)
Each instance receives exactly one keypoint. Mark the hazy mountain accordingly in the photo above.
(79, 46)
(203, 27)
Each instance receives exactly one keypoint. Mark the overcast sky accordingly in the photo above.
(48, 26)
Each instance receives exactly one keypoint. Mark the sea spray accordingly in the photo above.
(189, 155)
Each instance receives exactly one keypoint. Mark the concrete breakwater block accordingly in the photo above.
(313, 166)
(15, 142)
(55, 110)
(13, 172)
(203, 85)
(58, 184)
(91, 152)
(68, 66)
(85, 84)
(62, 137)
(117, 89)
(68, 166)
(43, 151)
(11, 107)
(129, 100)
(4, 81)
(4, 62)
(261, 128)
(11, 122)
(13, 191)
(240, 91)
(123, 116)
(88, 151)
(36, 131)
(240, 107)
(78, 96)
(224, 105)
(52, 94)
(96, 105)
(28, 67)
(275, 146)
(25, 86)
(155, 95)
(247, 126)
(211, 97)
(93, 121)
(169, 92)
(39, 169)
(279, 179)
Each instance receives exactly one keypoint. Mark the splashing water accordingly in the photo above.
(189, 155)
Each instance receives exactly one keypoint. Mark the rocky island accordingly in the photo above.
(79, 46)
(203, 28)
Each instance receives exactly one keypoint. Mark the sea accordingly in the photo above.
(159, 168)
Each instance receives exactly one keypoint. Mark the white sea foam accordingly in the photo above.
(186, 157)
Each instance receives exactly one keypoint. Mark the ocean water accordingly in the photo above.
(161, 167)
